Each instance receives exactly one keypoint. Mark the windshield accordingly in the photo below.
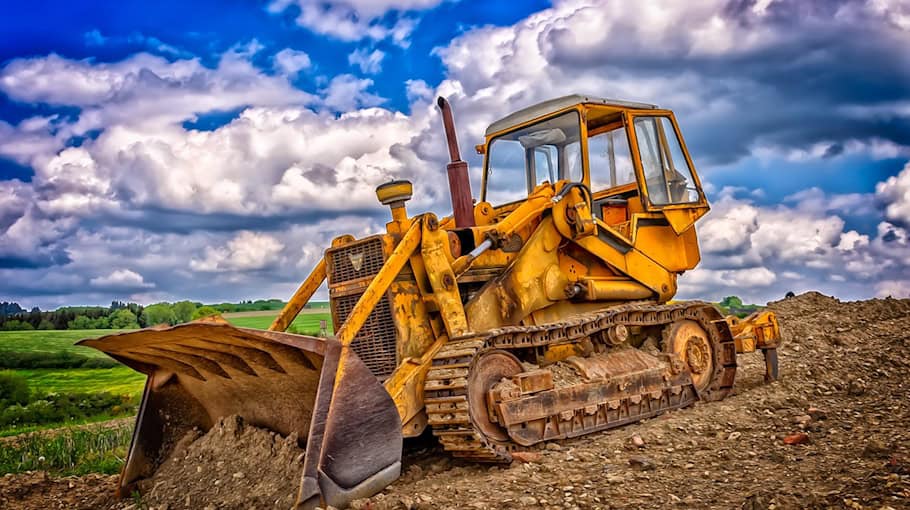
(667, 175)
(546, 151)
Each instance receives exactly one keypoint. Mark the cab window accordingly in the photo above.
(668, 178)
(610, 159)
(545, 151)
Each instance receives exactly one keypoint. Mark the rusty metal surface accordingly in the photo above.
(621, 389)
(457, 170)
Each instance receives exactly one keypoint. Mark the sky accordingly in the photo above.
(211, 150)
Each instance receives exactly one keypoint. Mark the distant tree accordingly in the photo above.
(7, 309)
(731, 302)
(159, 313)
(45, 324)
(183, 311)
(17, 325)
(81, 322)
(124, 319)
(13, 389)
(204, 311)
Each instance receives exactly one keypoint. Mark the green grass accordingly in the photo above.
(26, 429)
(72, 451)
(119, 381)
(304, 322)
(52, 341)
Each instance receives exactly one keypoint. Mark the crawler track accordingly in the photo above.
(446, 390)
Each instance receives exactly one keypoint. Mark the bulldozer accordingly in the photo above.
(539, 311)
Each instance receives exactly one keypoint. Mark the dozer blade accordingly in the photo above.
(201, 372)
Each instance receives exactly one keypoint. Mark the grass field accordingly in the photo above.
(307, 321)
(119, 381)
(51, 341)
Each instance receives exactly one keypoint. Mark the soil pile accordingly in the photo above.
(232, 466)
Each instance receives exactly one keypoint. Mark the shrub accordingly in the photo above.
(13, 389)
(63, 407)
(159, 313)
(17, 325)
(45, 324)
(124, 319)
(204, 311)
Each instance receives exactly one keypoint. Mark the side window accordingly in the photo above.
(610, 159)
(545, 164)
(667, 175)
(574, 171)
(506, 168)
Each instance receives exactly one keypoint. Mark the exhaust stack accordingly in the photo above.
(459, 184)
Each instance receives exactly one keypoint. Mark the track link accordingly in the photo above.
(446, 389)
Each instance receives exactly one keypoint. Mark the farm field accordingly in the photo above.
(306, 322)
(51, 341)
(119, 380)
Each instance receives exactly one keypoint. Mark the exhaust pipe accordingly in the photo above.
(459, 184)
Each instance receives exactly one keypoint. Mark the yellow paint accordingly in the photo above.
(554, 254)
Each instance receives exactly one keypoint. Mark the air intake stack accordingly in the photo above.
(459, 183)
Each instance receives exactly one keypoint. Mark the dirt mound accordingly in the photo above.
(232, 466)
(37, 491)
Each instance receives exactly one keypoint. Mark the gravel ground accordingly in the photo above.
(832, 433)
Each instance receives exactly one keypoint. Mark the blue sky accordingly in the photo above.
(211, 150)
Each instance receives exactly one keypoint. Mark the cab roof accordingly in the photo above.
(554, 105)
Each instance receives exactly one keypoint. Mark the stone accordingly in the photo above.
(797, 438)
(527, 457)
(641, 463)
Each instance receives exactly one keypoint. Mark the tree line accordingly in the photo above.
(121, 315)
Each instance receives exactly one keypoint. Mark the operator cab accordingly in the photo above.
(630, 155)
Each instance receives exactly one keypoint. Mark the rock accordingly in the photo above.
(816, 413)
(554, 447)
(637, 441)
(875, 449)
(856, 387)
(798, 438)
(802, 419)
(641, 463)
(238, 475)
(734, 436)
(527, 500)
(527, 457)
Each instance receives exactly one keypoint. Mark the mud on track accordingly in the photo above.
(844, 383)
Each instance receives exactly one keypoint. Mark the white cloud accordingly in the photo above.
(346, 92)
(141, 89)
(247, 251)
(895, 193)
(369, 62)
(291, 62)
(161, 195)
(353, 20)
(120, 279)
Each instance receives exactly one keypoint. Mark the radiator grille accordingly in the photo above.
(375, 343)
(356, 260)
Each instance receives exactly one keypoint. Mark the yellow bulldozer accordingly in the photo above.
(540, 311)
